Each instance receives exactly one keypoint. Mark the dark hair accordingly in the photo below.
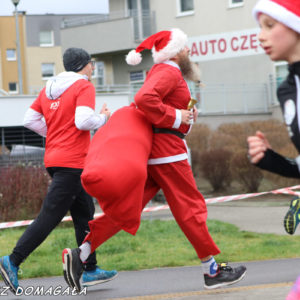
(75, 59)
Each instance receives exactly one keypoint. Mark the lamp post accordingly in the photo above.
(15, 3)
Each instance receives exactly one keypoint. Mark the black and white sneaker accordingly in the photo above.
(72, 267)
(226, 275)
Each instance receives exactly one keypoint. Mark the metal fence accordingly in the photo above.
(32, 159)
(216, 98)
(20, 146)
(226, 99)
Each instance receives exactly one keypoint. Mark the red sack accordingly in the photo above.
(115, 169)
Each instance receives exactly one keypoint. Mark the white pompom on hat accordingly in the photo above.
(286, 12)
(164, 44)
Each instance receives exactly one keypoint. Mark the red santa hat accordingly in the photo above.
(164, 44)
(286, 12)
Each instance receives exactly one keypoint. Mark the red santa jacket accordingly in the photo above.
(161, 98)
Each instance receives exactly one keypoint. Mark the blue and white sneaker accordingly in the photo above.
(97, 276)
(9, 273)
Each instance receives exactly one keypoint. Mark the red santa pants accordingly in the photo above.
(186, 203)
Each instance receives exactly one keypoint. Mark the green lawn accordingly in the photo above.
(157, 244)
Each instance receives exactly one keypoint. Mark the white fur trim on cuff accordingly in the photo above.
(177, 122)
(168, 159)
(278, 13)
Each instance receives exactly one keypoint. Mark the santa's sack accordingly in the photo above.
(115, 169)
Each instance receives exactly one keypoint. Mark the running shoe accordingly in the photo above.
(226, 275)
(72, 267)
(9, 273)
(292, 217)
(97, 276)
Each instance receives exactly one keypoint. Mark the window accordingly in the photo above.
(47, 70)
(185, 7)
(236, 3)
(136, 76)
(98, 73)
(11, 54)
(13, 87)
(46, 39)
(281, 72)
(136, 80)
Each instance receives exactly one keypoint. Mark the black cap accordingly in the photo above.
(75, 59)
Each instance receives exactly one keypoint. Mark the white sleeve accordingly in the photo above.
(87, 119)
(34, 121)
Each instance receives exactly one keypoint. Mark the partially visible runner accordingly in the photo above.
(280, 37)
(163, 98)
(64, 113)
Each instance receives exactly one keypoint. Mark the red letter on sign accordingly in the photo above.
(253, 41)
(232, 46)
(244, 38)
(194, 50)
(206, 48)
(222, 48)
(213, 45)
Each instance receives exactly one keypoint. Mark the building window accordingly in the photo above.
(137, 76)
(281, 72)
(98, 73)
(47, 70)
(136, 80)
(185, 7)
(46, 39)
(236, 3)
(13, 87)
(11, 54)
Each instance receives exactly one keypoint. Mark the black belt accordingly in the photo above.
(165, 130)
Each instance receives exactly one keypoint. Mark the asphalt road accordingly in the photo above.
(264, 280)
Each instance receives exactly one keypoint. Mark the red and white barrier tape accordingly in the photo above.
(287, 191)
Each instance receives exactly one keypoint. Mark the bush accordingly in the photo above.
(245, 173)
(22, 190)
(215, 167)
(198, 140)
(232, 137)
(236, 134)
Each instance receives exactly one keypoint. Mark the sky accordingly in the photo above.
(54, 7)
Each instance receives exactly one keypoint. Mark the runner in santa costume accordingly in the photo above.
(163, 99)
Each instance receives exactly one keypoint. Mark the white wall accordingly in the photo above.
(13, 108)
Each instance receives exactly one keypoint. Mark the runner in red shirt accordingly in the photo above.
(64, 114)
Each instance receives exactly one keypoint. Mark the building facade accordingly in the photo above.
(8, 54)
(40, 47)
(238, 76)
(239, 79)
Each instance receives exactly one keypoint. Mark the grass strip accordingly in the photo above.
(158, 243)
